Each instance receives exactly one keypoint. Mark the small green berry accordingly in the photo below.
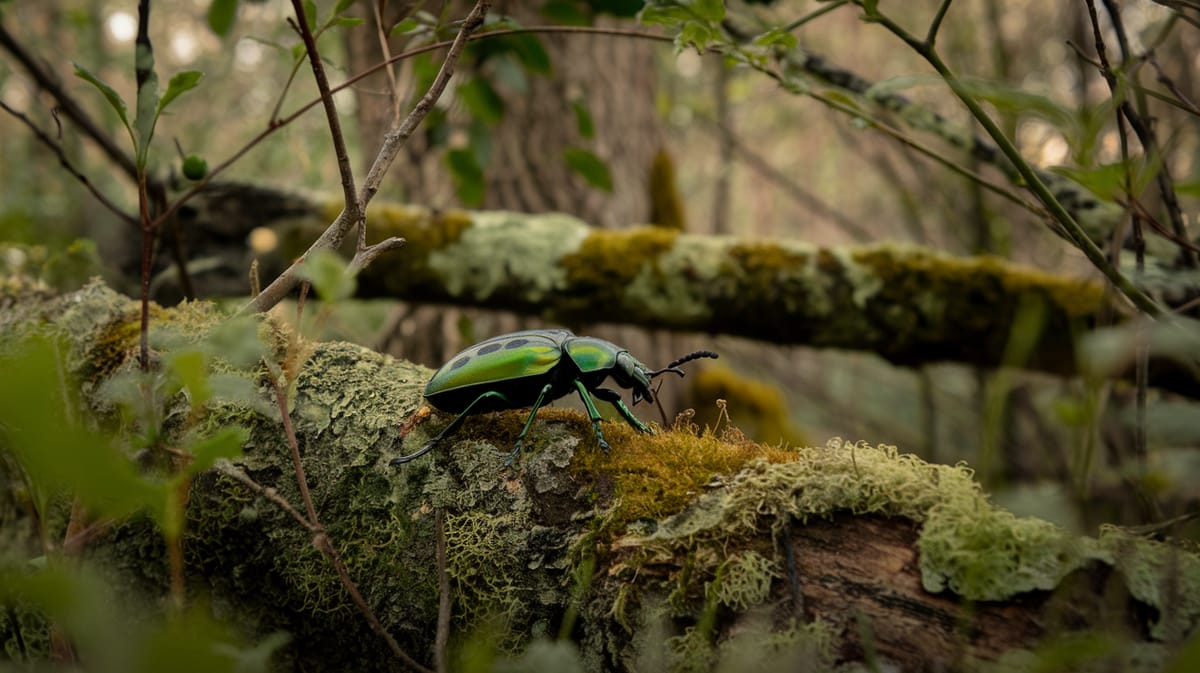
(194, 167)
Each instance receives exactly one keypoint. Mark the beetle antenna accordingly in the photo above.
(673, 367)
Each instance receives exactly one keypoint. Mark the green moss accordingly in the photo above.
(967, 545)
(653, 476)
(666, 205)
(928, 279)
(608, 261)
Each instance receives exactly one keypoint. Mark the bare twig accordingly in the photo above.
(69, 107)
(444, 602)
(353, 207)
(322, 542)
(66, 164)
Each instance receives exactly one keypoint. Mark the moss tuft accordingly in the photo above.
(658, 474)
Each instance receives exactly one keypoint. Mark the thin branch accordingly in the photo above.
(321, 540)
(353, 207)
(70, 168)
(386, 49)
(226, 468)
(444, 602)
(936, 24)
(70, 108)
(1070, 227)
(813, 15)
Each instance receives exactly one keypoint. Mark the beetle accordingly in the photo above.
(534, 367)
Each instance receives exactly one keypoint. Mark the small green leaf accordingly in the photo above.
(227, 443)
(776, 37)
(236, 341)
(328, 274)
(342, 6)
(114, 98)
(591, 167)
(310, 14)
(467, 176)
(181, 82)
(709, 10)
(406, 26)
(583, 120)
(346, 21)
(531, 53)
(221, 15)
(191, 369)
(481, 100)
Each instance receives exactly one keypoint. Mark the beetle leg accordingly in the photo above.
(449, 428)
(537, 404)
(592, 413)
(614, 398)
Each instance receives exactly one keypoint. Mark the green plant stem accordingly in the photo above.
(1076, 234)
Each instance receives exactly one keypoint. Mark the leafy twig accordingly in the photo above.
(1070, 227)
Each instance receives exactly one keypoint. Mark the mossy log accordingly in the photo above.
(909, 304)
(673, 552)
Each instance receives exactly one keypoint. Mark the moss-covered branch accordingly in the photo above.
(909, 304)
(718, 547)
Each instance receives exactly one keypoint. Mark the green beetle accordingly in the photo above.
(530, 368)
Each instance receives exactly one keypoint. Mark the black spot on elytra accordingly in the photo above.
(460, 362)
(515, 343)
(490, 348)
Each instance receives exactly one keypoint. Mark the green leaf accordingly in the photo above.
(776, 37)
(221, 15)
(43, 428)
(181, 82)
(342, 6)
(147, 102)
(227, 443)
(190, 367)
(481, 100)
(467, 176)
(591, 167)
(531, 53)
(406, 26)
(114, 98)
(583, 120)
(709, 10)
(236, 341)
(329, 276)
(1107, 181)
(346, 21)
(310, 14)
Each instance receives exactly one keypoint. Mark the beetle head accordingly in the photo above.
(629, 373)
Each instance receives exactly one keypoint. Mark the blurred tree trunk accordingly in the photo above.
(613, 79)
